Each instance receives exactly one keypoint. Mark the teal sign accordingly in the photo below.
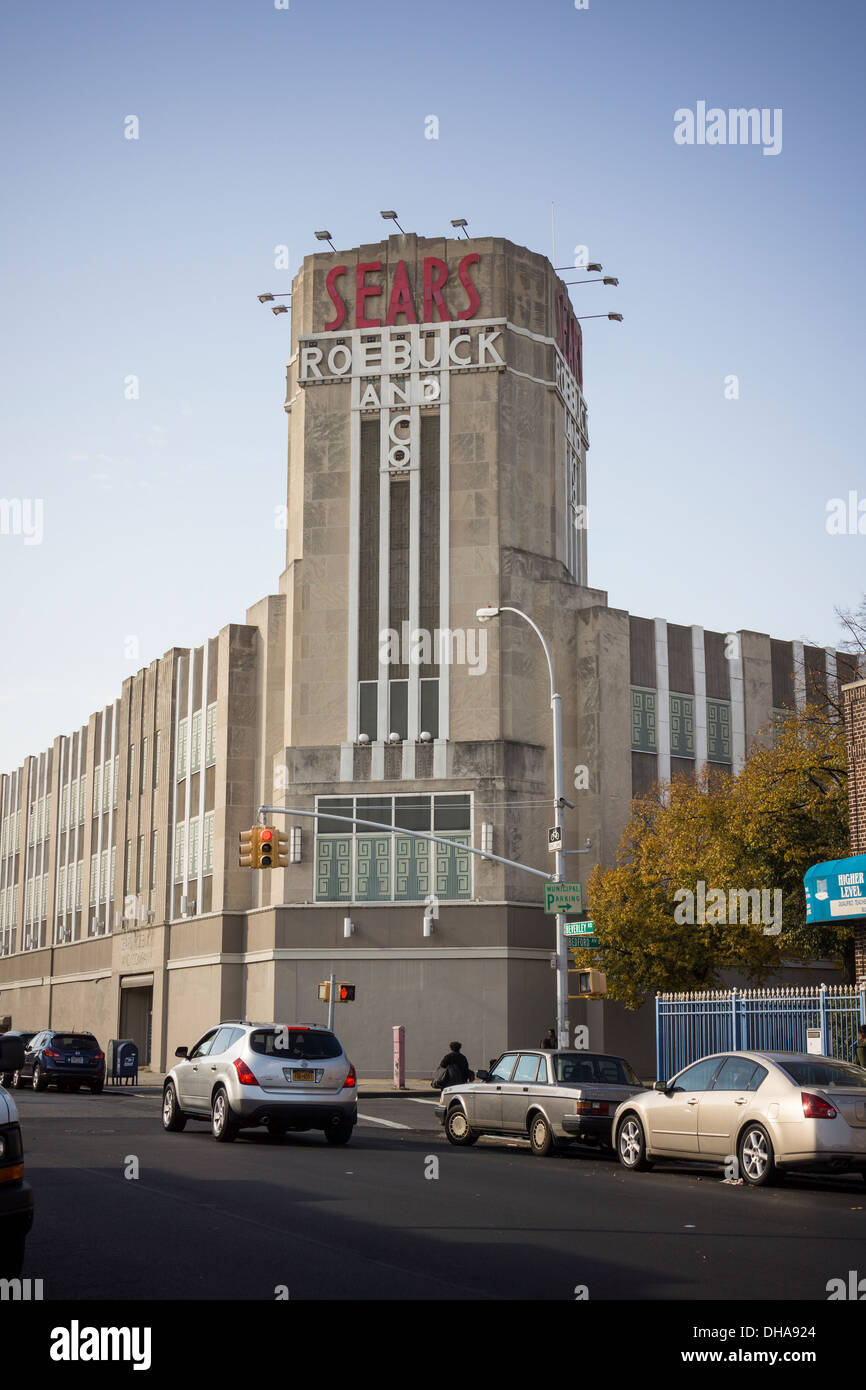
(836, 890)
(580, 928)
(563, 897)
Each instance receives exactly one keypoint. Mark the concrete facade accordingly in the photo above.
(437, 441)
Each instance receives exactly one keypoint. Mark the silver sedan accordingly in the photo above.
(548, 1097)
(759, 1113)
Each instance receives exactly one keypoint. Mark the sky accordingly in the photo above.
(141, 382)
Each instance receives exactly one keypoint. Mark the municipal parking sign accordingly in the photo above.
(563, 897)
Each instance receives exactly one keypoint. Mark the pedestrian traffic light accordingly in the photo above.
(325, 991)
(245, 849)
(345, 993)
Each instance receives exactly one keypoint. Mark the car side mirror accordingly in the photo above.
(180, 1051)
(11, 1054)
(661, 1086)
(482, 1076)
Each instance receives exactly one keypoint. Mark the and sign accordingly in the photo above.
(836, 889)
(563, 897)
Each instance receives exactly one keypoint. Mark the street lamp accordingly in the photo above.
(484, 615)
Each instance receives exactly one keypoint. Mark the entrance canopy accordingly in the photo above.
(836, 889)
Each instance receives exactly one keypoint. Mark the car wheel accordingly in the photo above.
(7, 1079)
(339, 1134)
(222, 1126)
(631, 1145)
(541, 1139)
(458, 1129)
(96, 1088)
(173, 1118)
(18, 1081)
(40, 1080)
(757, 1161)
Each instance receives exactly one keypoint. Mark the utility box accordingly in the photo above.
(121, 1062)
(813, 1041)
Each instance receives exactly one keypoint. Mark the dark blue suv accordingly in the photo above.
(65, 1060)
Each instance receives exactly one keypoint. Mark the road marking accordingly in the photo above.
(417, 1101)
(391, 1124)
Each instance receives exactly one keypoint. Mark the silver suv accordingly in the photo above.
(281, 1075)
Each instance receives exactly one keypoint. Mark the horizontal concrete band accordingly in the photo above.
(363, 953)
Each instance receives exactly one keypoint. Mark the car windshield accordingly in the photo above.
(841, 1075)
(75, 1042)
(295, 1042)
(576, 1068)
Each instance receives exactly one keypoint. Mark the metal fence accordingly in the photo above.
(689, 1026)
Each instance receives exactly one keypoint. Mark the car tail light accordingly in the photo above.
(816, 1107)
(245, 1076)
(99, 1057)
(49, 1052)
(351, 1079)
(592, 1107)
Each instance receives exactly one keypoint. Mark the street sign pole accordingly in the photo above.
(331, 1003)
(561, 947)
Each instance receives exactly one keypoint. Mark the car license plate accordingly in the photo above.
(298, 1075)
(76, 1059)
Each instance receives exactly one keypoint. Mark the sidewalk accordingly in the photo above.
(369, 1087)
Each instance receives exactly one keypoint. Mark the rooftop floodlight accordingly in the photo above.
(594, 265)
(609, 280)
(391, 216)
(460, 222)
(325, 236)
(617, 318)
(280, 309)
(263, 298)
(485, 614)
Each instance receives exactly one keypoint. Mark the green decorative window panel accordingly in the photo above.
(411, 867)
(682, 726)
(453, 870)
(373, 868)
(334, 868)
(719, 731)
(644, 722)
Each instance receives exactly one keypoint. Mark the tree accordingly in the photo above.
(760, 830)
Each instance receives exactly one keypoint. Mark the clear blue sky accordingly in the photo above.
(259, 125)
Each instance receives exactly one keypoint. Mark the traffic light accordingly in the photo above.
(345, 993)
(263, 847)
(245, 849)
(325, 991)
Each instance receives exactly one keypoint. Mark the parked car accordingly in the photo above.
(62, 1059)
(549, 1097)
(6, 1077)
(773, 1111)
(16, 1196)
(285, 1076)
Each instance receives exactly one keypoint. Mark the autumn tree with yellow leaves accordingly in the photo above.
(786, 809)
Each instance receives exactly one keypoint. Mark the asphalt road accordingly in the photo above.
(371, 1221)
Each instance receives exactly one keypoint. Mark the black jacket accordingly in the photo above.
(456, 1068)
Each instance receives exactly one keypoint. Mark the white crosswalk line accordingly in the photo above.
(391, 1124)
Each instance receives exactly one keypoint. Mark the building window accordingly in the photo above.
(130, 771)
(179, 848)
(210, 736)
(192, 872)
(644, 725)
(718, 731)
(157, 749)
(180, 770)
(207, 865)
(139, 877)
(368, 709)
(143, 770)
(195, 743)
(127, 866)
(398, 708)
(682, 726)
(79, 881)
(94, 879)
(430, 708)
(153, 859)
(363, 866)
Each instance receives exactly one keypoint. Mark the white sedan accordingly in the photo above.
(759, 1112)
